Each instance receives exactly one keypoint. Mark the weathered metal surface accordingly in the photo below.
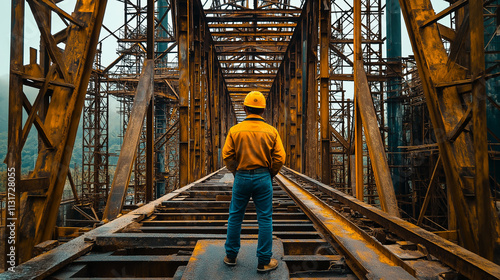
(66, 79)
(159, 239)
(324, 37)
(206, 262)
(42, 266)
(368, 117)
(128, 152)
(470, 200)
(458, 258)
(373, 260)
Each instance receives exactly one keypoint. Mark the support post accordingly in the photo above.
(324, 91)
(366, 109)
(150, 138)
(132, 136)
(486, 219)
(394, 106)
(13, 159)
(358, 128)
(182, 7)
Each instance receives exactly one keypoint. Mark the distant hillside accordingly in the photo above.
(30, 150)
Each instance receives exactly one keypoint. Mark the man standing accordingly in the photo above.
(254, 153)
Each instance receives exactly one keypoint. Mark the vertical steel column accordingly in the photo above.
(366, 110)
(293, 107)
(325, 90)
(300, 93)
(204, 133)
(12, 207)
(311, 90)
(286, 105)
(394, 105)
(150, 138)
(194, 72)
(486, 219)
(358, 128)
(183, 14)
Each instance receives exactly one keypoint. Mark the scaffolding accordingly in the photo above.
(95, 154)
(341, 85)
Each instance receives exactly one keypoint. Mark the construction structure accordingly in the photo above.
(417, 137)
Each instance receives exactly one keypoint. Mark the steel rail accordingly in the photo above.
(371, 258)
(460, 259)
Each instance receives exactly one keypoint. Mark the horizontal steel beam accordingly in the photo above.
(243, 44)
(253, 25)
(268, 61)
(249, 75)
(250, 18)
(246, 53)
(254, 12)
(240, 34)
(250, 69)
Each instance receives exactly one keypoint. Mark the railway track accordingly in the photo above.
(320, 233)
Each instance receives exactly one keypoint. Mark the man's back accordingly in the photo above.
(252, 144)
(254, 153)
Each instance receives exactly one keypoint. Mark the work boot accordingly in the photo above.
(229, 261)
(272, 265)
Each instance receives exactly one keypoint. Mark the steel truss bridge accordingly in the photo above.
(392, 162)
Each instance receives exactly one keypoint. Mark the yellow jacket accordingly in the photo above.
(252, 144)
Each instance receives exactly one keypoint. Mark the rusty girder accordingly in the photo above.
(63, 78)
(205, 109)
(453, 88)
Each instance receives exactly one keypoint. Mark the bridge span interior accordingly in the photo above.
(405, 147)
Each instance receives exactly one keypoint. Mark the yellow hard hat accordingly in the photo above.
(255, 99)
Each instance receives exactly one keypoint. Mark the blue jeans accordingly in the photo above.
(259, 187)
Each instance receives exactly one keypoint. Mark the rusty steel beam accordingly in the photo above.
(470, 200)
(128, 153)
(376, 149)
(183, 10)
(370, 258)
(257, 44)
(310, 89)
(358, 126)
(324, 76)
(366, 110)
(150, 138)
(252, 25)
(463, 261)
(13, 159)
(239, 34)
(267, 12)
(196, 63)
(60, 115)
(250, 18)
(487, 219)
